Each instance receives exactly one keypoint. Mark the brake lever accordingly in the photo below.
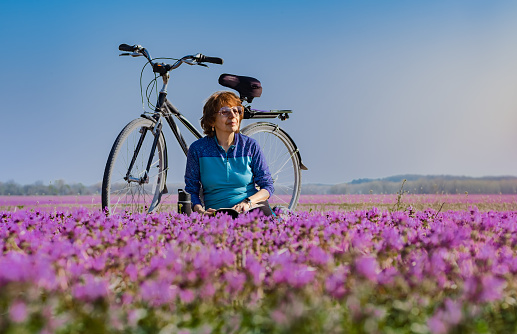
(132, 54)
(193, 61)
(189, 61)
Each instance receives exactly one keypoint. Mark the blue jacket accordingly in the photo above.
(229, 177)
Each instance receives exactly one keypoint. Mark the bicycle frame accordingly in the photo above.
(166, 110)
(139, 153)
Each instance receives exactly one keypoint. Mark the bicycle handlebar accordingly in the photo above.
(213, 60)
(199, 59)
(128, 48)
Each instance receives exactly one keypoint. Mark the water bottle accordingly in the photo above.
(184, 203)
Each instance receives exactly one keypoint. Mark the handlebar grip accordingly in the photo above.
(128, 48)
(213, 60)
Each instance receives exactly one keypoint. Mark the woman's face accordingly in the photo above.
(227, 122)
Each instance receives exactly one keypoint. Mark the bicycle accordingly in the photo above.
(136, 171)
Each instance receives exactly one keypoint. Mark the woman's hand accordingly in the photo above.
(261, 195)
(199, 209)
(242, 206)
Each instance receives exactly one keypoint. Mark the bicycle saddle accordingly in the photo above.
(247, 87)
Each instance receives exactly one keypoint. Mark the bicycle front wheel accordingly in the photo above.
(283, 160)
(131, 190)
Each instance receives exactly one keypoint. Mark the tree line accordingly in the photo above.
(414, 184)
(56, 188)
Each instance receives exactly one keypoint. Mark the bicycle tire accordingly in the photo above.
(283, 160)
(120, 195)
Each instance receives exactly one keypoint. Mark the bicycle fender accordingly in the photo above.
(148, 117)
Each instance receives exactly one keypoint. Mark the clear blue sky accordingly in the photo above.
(378, 87)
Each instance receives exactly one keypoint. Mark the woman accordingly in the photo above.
(226, 164)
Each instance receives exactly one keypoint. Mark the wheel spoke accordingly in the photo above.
(121, 194)
(282, 167)
(278, 150)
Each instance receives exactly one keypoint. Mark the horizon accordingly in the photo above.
(363, 180)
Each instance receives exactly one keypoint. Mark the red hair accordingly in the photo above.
(212, 106)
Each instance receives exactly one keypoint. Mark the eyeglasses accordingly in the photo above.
(225, 111)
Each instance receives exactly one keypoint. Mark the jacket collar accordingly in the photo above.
(236, 140)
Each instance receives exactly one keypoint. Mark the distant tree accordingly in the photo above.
(58, 187)
(416, 184)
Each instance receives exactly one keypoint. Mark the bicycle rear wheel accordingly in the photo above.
(283, 160)
(124, 191)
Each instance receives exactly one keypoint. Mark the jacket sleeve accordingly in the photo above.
(261, 175)
(193, 176)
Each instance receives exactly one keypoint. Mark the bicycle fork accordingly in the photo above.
(156, 131)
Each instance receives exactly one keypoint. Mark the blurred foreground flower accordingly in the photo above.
(362, 271)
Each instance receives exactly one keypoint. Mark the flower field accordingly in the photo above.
(306, 202)
(387, 268)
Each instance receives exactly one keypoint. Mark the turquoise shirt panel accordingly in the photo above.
(225, 177)
(223, 192)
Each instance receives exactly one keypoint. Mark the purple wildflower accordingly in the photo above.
(92, 289)
(18, 311)
(318, 256)
(368, 267)
(492, 288)
(132, 271)
(255, 269)
(436, 325)
(186, 295)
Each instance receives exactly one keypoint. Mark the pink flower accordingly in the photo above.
(15, 267)
(127, 299)
(132, 271)
(361, 241)
(486, 288)
(208, 290)
(279, 317)
(335, 283)
(18, 311)
(235, 281)
(99, 263)
(436, 325)
(492, 288)
(255, 269)
(158, 292)
(446, 317)
(387, 276)
(453, 312)
(92, 289)
(318, 256)
(392, 238)
(303, 276)
(186, 296)
(368, 267)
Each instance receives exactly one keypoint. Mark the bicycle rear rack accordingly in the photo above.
(254, 113)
